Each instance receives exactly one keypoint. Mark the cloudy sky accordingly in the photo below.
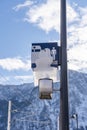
(23, 22)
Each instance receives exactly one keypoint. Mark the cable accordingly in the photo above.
(11, 102)
(17, 91)
(34, 121)
(5, 97)
(1, 75)
(46, 123)
(18, 110)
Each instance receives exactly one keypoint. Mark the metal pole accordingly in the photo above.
(64, 112)
(9, 116)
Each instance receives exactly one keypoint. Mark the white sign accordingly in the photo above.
(44, 59)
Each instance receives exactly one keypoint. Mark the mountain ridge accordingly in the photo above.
(36, 114)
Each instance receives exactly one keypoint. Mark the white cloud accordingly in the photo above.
(80, 52)
(25, 4)
(44, 15)
(77, 42)
(72, 15)
(19, 79)
(47, 17)
(47, 14)
(15, 64)
(83, 15)
(24, 78)
(78, 58)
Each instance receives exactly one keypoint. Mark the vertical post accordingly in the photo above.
(58, 123)
(64, 112)
(9, 116)
(77, 120)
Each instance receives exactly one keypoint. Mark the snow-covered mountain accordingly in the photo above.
(31, 113)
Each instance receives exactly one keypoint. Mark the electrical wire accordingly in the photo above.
(27, 103)
(11, 102)
(34, 121)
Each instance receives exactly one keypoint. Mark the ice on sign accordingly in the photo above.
(44, 59)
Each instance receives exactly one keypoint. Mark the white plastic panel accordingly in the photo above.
(51, 73)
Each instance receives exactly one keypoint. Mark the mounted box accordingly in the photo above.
(45, 88)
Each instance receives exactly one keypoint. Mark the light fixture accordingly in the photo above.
(45, 88)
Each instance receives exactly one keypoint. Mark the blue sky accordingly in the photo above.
(28, 21)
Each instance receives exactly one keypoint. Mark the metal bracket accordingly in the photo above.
(59, 59)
